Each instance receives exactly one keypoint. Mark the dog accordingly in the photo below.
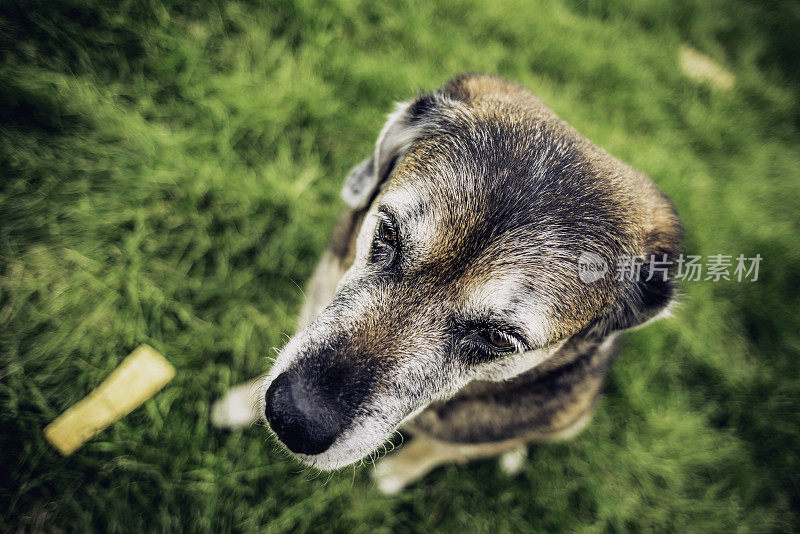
(450, 302)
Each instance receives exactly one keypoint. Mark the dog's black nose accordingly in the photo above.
(303, 420)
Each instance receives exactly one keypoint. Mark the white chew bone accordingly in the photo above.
(137, 378)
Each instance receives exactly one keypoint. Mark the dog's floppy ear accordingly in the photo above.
(403, 126)
(648, 280)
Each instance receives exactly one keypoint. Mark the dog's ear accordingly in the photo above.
(404, 125)
(648, 285)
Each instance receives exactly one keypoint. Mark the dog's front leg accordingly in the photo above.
(423, 454)
(239, 406)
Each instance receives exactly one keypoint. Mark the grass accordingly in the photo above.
(170, 175)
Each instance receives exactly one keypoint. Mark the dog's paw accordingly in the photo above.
(408, 464)
(388, 479)
(395, 472)
(511, 462)
(238, 408)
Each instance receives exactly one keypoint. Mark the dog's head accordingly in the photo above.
(479, 203)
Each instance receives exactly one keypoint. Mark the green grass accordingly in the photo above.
(170, 175)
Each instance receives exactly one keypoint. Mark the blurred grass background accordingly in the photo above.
(169, 174)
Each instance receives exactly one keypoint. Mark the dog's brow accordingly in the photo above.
(403, 202)
(504, 299)
(388, 211)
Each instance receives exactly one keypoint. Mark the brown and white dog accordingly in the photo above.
(450, 303)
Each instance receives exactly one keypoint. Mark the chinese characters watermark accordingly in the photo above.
(592, 267)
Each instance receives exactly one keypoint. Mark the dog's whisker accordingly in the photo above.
(307, 318)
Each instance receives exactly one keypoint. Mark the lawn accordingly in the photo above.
(169, 175)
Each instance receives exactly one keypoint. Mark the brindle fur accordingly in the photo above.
(551, 402)
(533, 406)
(503, 190)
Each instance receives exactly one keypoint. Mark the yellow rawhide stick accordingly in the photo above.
(137, 378)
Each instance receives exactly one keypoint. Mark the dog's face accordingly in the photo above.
(479, 202)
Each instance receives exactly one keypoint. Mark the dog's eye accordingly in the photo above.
(387, 233)
(498, 340)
